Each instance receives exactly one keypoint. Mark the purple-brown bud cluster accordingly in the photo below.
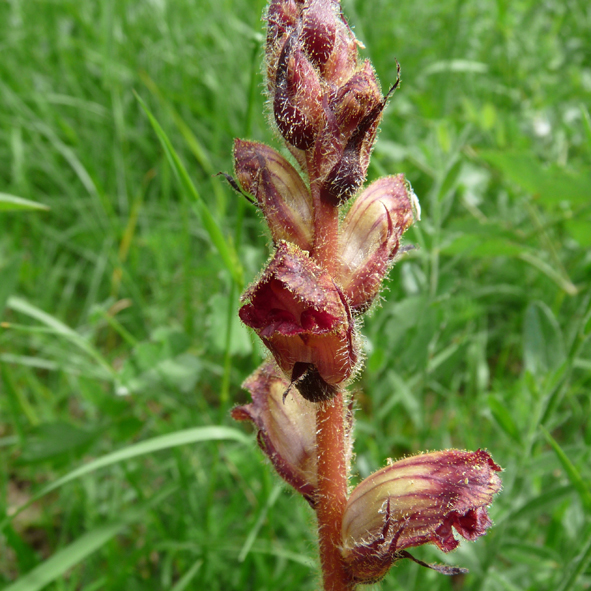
(326, 104)
(326, 270)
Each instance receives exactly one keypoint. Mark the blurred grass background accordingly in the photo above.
(118, 308)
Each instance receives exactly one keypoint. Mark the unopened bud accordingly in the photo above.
(281, 18)
(297, 101)
(319, 30)
(417, 501)
(304, 320)
(343, 60)
(370, 237)
(356, 99)
(279, 190)
(287, 427)
(345, 177)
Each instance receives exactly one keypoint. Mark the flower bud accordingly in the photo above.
(338, 59)
(281, 17)
(370, 237)
(297, 101)
(319, 27)
(303, 318)
(417, 501)
(279, 190)
(358, 97)
(287, 427)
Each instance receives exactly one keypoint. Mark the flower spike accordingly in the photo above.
(325, 271)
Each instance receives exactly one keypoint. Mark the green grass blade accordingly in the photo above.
(11, 203)
(194, 144)
(224, 247)
(18, 404)
(281, 553)
(9, 273)
(59, 328)
(502, 582)
(77, 551)
(571, 471)
(563, 282)
(586, 125)
(184, 437)
(254, 532)
(197, 148)
(504, 419)
(537, 504)
(66, 558)
(579, 565)
(186, 579)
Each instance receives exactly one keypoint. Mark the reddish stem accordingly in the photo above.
(332, 492)
(330, 419)
(326, 223)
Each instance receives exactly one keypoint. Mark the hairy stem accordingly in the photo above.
(326, 223)
(332, 492)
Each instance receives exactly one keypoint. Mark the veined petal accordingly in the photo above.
(287, 427)
(286, 424)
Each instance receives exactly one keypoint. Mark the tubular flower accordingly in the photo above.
(417, 501)
(370, 237)
(286, 424)
(302, 317)
(279, 190)
(287, 427)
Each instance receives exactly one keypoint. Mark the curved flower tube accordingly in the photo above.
(417, 501)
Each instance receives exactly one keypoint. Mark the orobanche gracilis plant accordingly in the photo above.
(326, 269)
